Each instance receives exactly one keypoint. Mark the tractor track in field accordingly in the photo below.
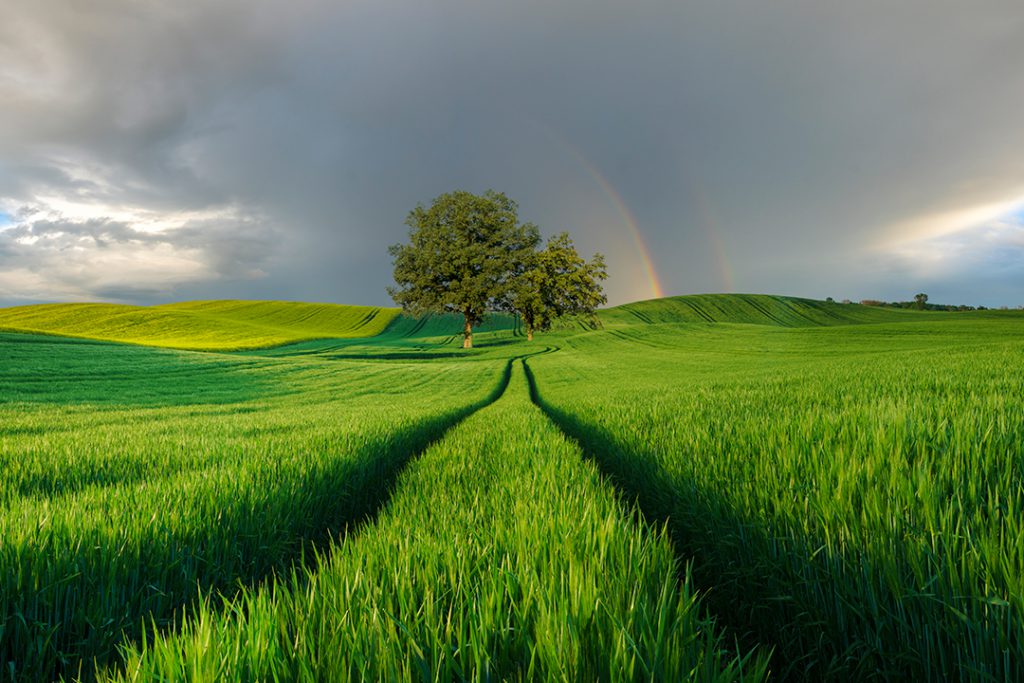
(378, 475)
(634, 498)
(436, 432)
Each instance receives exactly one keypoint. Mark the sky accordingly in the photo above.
(156, 151)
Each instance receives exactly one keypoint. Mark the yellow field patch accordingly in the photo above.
(201, 325)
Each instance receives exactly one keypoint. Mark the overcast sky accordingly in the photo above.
(153, 151)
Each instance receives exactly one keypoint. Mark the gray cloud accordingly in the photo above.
(112, 260)
(982, 263)
(760, 146)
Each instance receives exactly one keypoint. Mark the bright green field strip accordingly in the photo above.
(501, 556)
(115, 513)
(852, 496)
(209, 325)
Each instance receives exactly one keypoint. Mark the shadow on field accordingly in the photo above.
(39, 369)
(399, 355)
(66, 605)
(827, 614)
(644, 487)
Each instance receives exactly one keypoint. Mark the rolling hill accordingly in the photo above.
(836, 487)
(201, 325)
(231, 325)
(752, 309)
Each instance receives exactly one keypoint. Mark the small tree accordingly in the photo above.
(921, 300)
(462, 254)
(557, 281)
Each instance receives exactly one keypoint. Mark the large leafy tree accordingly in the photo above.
(557, 281)
(463, 255)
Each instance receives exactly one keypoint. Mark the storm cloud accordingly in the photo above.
(152, 151)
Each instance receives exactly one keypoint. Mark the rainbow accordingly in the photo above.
(657, 290)
(699, 199)
(709, 222)
(647, 263)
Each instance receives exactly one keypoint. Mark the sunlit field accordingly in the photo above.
(203, 325)
(715, 488)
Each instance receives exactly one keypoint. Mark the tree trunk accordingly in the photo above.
(467, 335)
(528, 320)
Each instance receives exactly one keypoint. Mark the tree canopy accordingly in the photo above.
(469, 254)
(463, 252)
(557, 282)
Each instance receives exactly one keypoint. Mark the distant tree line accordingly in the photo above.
(920, 302)
(920, 306)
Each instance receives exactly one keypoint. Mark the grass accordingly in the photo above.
(201, 325)
(754, 309)
(502, 556)
(118, 512)
(46, 369)
(839, 489)
(851, 496)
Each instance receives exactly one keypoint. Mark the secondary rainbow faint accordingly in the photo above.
(650, 271)
(709, 221)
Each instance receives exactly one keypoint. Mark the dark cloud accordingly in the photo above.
(759, 146)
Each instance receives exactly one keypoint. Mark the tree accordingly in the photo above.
(557, 281)
(463, 252)
(921, 300)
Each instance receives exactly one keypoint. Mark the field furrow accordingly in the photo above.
(502, 555)
(850, 497)
(842, 484)
(114, 518)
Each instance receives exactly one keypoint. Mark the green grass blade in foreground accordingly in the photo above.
(853, 496)
(501, 556)
(112, 516)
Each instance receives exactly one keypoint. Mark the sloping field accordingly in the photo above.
(227, 325)
(445, 325)
(752, 309)
(526, 569)
(831, 491)
(201, 325)
(133, 480)
(851, 496)
(431, 337)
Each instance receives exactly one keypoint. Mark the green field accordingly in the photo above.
(715, 487)
(201, 325)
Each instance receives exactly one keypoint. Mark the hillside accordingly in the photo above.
(225, 325)
(444, 325)
(734, 496)
(207, 325)
(751, 309)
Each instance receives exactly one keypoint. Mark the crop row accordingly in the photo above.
(502, 555)
(114, 518)
(853, 498)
